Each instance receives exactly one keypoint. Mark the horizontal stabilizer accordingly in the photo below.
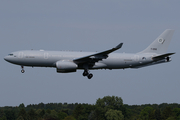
(162, 56)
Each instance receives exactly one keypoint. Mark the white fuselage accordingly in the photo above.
(49, 58)
(66, 61)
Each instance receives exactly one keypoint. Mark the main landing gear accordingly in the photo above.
(22, 69)
(86, 73)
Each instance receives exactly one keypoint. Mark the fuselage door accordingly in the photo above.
(136, 58)
(46, 55)
(20, 55)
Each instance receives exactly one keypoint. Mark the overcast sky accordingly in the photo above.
(93, 25)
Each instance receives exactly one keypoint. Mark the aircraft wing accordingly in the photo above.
(97, 56)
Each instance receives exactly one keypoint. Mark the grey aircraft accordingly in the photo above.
(66, 61)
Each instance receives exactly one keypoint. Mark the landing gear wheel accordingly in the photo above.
(85, 73)
(22, 71)
(90, 76)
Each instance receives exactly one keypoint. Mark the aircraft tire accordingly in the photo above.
(22, 71)
(85, 73)
(90, 76)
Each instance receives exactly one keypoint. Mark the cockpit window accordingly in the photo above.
(10, 54)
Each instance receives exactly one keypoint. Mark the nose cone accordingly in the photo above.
(6, 58)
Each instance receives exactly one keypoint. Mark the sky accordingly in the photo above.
(94, 25)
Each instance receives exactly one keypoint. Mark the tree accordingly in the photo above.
(10, 114)
(32, 114)
(157, 114)
(114, 115)
(48, 111)
(41, 114)
(50, 115)
(171, 118)
(21, 105)
(3, 118)
(110, 102)
(176, 112)
(69, 118)
(92, 116)
(54, 114)
(2, 113)
(82, 111)
(178, 118)
(62, 115)
(107, 103)
(78, 111)
(20, 118)
(40, 105)
(167, 112)
(22, 114)
(100, 113)
(146, 112)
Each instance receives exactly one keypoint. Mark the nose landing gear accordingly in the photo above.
(22, 69)
(86, 73)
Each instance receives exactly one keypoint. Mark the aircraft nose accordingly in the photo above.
(6, 58)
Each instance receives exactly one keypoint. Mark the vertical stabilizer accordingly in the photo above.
(160, 45)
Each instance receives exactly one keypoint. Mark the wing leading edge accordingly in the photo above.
(97, 56)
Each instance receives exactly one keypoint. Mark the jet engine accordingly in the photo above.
(65, 66)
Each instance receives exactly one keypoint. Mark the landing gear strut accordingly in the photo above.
(22, 69)
(86, 73)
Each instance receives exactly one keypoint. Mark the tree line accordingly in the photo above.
(106, 108)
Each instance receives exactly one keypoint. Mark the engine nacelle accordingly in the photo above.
(65, 66)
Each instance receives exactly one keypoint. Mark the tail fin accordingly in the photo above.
(160, 45)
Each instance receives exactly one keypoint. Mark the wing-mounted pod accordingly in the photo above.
(66, 66)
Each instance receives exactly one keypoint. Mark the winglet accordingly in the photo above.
(119, 46)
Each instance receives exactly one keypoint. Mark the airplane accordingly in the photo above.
(66, 61)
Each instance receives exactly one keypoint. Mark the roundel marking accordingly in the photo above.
(160, 40)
